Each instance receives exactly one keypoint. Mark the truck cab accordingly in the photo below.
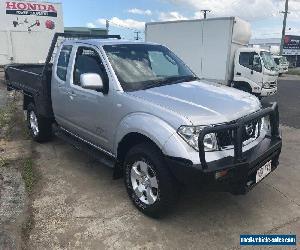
(282, 64)
(255, 71)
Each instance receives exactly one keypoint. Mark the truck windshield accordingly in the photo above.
(143, 66)
(268, 60)
(276, 60)
(283, 60)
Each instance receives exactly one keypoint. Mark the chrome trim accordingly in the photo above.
(93, 145)
(29, 72)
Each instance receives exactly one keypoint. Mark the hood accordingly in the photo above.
(201, 102)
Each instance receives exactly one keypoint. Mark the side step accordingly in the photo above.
(85, 147)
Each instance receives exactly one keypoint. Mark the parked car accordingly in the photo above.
(139, 109)
(217, 50)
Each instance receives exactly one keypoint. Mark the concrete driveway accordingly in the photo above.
(77, 205)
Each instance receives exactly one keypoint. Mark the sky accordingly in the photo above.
(127, 16)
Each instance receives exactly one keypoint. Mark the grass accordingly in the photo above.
(294, 71)
(29, 175)
(3, 162)
(30, 178)
(12, 121)
(7, 117)
(12, 126)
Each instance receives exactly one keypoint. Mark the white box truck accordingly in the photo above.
(27, 29)
(216, 50)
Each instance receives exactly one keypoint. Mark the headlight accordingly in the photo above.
(265, 124)
(191, 133)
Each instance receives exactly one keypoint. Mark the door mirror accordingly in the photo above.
(91, 81)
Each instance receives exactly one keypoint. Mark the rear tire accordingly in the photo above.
(150, 185)
(39, 127)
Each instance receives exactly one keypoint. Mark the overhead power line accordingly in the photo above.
(121, 26)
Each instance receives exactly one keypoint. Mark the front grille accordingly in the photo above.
(251, 131)
(273, 84)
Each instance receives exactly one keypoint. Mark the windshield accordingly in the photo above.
(276, 60)
(283, 60)
(142, 66)
(268, 60)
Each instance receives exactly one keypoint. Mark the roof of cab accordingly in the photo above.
(251, 49)
(101, 42)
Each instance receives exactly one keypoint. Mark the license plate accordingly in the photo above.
(263, 171)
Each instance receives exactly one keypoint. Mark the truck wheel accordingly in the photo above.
(149, 183)
(244, 88)
(40, 128)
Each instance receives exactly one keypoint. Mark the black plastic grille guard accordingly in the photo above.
(237, 127)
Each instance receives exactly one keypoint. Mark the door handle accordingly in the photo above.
(72, 95)
(238, 73)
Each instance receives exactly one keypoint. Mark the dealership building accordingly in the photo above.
(291, 47)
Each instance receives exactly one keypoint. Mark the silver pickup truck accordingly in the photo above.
(138, 108)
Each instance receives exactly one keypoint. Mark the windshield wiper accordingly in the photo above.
(154, 83)
(169, 81)
(189, 78)
(179, 79)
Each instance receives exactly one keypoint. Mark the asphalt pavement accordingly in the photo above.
(288, 98)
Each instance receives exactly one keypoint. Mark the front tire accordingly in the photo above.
(244, 88)
(149, 184)
(39, 127)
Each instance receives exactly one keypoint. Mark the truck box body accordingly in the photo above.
(213, 41)
(27, 29)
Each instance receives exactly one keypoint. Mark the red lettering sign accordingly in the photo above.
(30, 6)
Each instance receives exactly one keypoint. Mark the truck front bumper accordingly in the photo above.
(269, 91)
(222, 175)
(235, 174)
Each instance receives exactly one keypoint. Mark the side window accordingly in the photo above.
(249, 60)
(162, 65)
(244, 59)
(88, 61)
(63, 61)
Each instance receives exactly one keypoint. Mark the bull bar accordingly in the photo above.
(237, 127)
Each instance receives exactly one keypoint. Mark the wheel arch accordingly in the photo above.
(27, 100)
(240, 84)
(138, 128)
(130, 140)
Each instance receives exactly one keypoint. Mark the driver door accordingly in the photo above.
(250, 68)
(89, 110)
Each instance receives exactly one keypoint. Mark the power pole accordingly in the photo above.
(204, 13)
(107, 26)
(285, 13)
(137, 35)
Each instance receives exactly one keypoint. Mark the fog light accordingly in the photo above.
(221, 174)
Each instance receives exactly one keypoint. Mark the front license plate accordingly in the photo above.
(263, 171)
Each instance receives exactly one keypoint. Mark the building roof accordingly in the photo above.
(83, 29)
(109, 41)
(257, 50)
(263, 41)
